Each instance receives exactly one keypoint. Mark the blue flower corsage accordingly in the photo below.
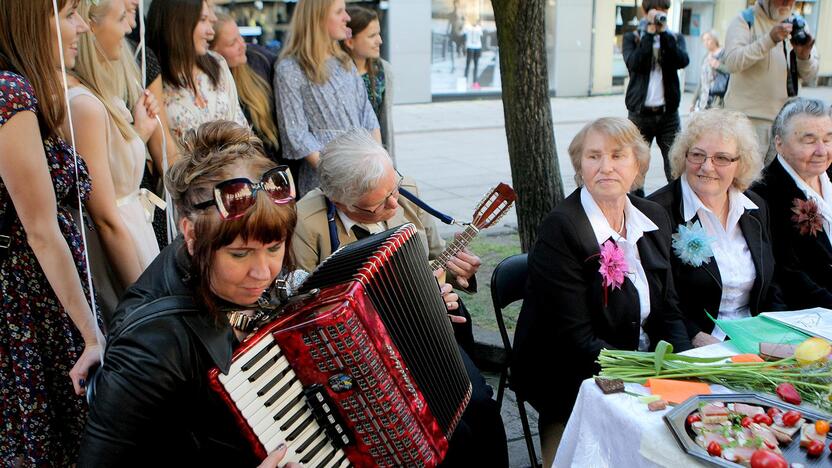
(692, 244)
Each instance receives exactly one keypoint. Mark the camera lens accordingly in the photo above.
(660, 18)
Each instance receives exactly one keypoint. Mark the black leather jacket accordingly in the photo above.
(153, 405)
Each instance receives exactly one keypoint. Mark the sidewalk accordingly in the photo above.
(457, 151)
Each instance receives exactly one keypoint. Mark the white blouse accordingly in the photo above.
(637, 224)
(824, 200)
(731, 253)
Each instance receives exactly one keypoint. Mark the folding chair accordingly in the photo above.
(508, 283)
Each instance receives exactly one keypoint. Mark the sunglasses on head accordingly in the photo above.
(234, 197)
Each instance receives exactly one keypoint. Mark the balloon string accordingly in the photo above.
(98, 333)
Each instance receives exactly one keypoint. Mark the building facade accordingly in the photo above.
(446, 49)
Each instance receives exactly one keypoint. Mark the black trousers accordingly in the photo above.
(472, 55)
(661, 127)
(480, 437)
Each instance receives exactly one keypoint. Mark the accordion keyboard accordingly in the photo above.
(271, 398)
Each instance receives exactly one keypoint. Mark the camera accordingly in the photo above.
(799, 34)
(661, 19)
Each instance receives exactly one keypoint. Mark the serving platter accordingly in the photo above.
(676, 421)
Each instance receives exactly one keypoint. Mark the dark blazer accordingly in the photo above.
(638, 56)
(804, 262)
(700, 288)
(564, 322)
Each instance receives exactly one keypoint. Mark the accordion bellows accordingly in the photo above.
(367, 372)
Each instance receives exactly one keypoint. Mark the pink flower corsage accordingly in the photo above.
(806, 217)
(613, 267)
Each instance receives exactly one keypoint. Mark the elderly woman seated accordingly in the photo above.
(722, 260)
(799, 195)
(599, 275)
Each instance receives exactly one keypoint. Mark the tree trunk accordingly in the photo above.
(528, 113)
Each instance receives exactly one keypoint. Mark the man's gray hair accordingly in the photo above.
(352, 165)
(796, 107)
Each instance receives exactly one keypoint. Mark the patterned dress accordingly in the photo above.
(310, 115)
(41, 418)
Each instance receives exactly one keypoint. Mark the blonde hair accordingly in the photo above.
(309, 42)
(96, 72)
(254, 92)
(730, 126)
(128, 76)
(624, 133)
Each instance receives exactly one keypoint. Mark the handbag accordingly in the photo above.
(720, 84)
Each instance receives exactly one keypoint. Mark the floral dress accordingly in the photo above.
(221, 102)
(41, 418)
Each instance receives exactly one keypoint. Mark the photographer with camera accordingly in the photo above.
(767, 51)
(653, 55)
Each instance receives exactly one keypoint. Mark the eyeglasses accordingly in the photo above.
(234, 197)
(719, 159)
(395, 192)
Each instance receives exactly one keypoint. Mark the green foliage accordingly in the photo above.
(491, 250)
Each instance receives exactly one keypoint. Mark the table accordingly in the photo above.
(617, 430)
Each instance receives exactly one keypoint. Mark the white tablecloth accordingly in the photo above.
(617, 430)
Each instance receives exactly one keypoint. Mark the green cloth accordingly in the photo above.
(747, 334)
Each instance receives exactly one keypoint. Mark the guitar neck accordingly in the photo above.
(459, 243)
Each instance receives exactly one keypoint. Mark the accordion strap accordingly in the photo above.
(169, 305)
(331, 211)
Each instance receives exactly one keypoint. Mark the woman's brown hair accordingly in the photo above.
(254, 92)
(26, 49)
(360, 18)
(170, 31)
(210, 156)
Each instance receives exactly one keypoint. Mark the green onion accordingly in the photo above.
(814, 383)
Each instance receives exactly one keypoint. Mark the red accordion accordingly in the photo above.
(365, 373)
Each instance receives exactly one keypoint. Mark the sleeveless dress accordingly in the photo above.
(41, 418)
(135, 205)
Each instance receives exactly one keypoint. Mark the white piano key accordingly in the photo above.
(275, 431)
(316, 460)
(237, 365)
(264, 417)
(246, 393)
(242, 376)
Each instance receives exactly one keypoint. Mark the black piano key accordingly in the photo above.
(329, 457)
(306, 443)
(294, 417)
(262, 370)
(291, 404)
(341, 460)
(251, 362)
(314, 452)
(301, 427)
(277, 378)
(282, 390)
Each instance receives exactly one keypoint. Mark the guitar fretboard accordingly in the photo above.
(459, 243)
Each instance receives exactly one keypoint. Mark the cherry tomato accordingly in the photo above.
(773, 412)
(714, 449)
(764, 458)
(791, 418)
(694, 418)
(762, 419)
(815, 448)
(746, 421)
(821, 427)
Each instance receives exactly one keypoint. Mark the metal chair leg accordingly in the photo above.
(527, 432)
(501, 388)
